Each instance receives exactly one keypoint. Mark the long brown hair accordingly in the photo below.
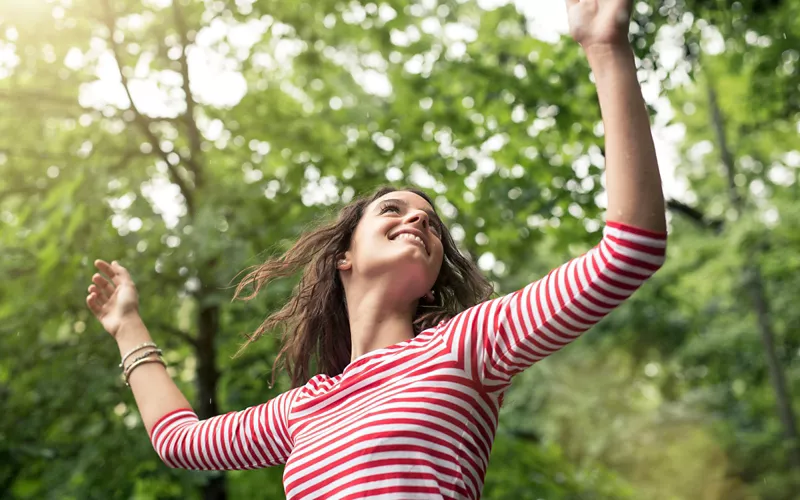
(315, 326)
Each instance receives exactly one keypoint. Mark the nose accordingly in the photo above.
(418, 217)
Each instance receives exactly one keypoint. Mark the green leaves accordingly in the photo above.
(501, 128)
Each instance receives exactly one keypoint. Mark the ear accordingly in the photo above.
(343, 262)
(429, 297)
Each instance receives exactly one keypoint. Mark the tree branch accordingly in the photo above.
(724, 149)
(189, 117)
(30, 190)
(524, 435)
(141, 120)
(177, 332)
(695, 216)
(124, 160)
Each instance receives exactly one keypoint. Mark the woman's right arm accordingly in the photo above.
(155, 393)
(253, 438)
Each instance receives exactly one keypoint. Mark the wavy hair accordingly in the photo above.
(314, 322)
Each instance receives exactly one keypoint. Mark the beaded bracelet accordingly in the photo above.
(146, 354)
(141, 362)
(137, 348)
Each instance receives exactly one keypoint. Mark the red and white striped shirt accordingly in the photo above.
(417, 419)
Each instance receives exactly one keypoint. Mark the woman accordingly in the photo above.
(415, 362)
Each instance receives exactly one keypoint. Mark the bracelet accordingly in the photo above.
(141, 362)
(137, 348)
(144, 355)
(127, 369)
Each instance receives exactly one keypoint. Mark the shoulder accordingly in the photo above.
(318, 385)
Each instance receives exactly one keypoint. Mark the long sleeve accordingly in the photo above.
(253, 438)
(499, 338)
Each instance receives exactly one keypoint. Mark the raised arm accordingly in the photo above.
(500, 338)
(632, 178)
(256, 437)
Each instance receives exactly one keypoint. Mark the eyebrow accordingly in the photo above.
(405, 204)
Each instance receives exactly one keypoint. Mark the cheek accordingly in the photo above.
(365, 233)
(439, 255)
(365, 239)
(357, 244)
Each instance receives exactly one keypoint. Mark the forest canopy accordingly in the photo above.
(192, 139)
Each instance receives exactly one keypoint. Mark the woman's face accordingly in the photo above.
(398, 237)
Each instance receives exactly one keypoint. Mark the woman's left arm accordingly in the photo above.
(632, 178)
(499, 338)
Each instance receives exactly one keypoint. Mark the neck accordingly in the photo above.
(375, 324)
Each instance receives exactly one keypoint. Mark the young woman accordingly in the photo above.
(413, 360)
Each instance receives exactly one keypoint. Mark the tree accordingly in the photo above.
(243, 177)
(326, 100)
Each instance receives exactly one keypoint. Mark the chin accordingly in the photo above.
(409, 272)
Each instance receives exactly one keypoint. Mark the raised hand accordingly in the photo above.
(112, 302)
(595, 23)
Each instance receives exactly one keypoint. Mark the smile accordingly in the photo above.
(411, 238)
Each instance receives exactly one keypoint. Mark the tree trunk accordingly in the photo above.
(207, 378)
(757, 293)
(756, 289)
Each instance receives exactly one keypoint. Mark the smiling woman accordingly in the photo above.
(413, 360)
(355, 272)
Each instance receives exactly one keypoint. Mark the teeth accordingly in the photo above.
(407, 236)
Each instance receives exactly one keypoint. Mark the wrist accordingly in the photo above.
(131, 332)
(601, 53)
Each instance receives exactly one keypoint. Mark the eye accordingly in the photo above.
(389, 207)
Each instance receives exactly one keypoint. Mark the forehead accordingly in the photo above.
(412, 199)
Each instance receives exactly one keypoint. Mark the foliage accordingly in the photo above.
(315, 102)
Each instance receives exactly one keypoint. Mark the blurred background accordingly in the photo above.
(192, 139)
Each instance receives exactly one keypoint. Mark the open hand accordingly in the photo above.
(599, 22)
(112, 302)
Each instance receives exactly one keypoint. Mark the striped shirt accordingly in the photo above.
(417, 419)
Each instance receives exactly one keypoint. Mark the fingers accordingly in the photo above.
(102, 297)
(121, 271)
(104, 267)
(94, 304)
(102, 288)
(115, 271)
